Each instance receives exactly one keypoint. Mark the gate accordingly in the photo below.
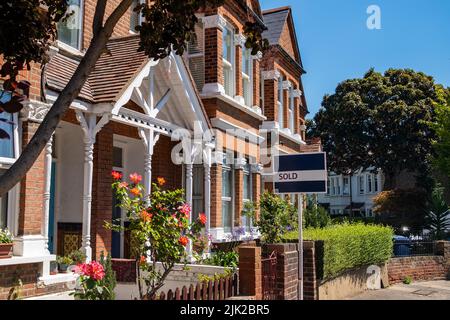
(269, 277)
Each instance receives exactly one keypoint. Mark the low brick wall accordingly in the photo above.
(418, 268)
(29, 275)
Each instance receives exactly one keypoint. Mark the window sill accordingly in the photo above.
(253, 111)
(69, 49)
(26, 260)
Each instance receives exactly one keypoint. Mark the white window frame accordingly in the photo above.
(344, 191)
(230, 65)
(13, 194)
(247, 171)
(140, 17)
(247, 78)
(369, 183)
(228, 167)
(202, 196)
(67, 46)
(291, 110)
(361, 184)
(280, 103)
(376, 181)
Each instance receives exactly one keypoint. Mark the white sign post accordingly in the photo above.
(304, 173)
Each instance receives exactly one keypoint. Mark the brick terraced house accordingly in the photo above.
(135, 114)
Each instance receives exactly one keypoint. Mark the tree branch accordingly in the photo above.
(37, 143)
(98, 16)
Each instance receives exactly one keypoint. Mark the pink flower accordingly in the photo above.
(135, 178)
(97, 271)
(123, 185)
(185, 209)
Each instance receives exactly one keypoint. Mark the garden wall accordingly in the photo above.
(31, 285)
(181, 275)
(417, 268)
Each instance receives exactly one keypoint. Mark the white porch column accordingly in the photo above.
(149, 138)
(90, 129)
(47, 186)
(189, 180)
(207, 189)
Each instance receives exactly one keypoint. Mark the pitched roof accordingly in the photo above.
(275, 20)
(112, 72)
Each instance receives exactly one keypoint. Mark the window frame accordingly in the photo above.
(230, 199)
(229, 65)
(280, 103)
(140, 18)
(344, 191)
(69, 47)
(291, 111)
(361, 184)
(247, 171)
(247, 77)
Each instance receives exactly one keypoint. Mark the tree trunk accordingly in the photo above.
(37, 143)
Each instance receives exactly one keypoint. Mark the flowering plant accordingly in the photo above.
(5, 236)
(160, 228)
(91, 286)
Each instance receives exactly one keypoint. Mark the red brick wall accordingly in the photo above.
(122, 28)
(250, 273)
(28, 274)
(216, 196)
(239, 88)
(270, 99)
(31, 189)
(101, 192)
(213, 56)
(418, 268)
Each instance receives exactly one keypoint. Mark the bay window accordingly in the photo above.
(247, 76)
(369, 183)
(361, 184)
(346, 189)
(69, 31)
(228, 60)
(227, 196)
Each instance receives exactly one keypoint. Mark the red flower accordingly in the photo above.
(93, 270)
(116, 175)
(147, 217)
(183, 241)
(202, 218)
(143, 260)
(135, 191)
(135, 178)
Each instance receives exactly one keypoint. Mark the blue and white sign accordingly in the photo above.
(300, 173)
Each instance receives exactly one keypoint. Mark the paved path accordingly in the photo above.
(427, 290)
(56, 296)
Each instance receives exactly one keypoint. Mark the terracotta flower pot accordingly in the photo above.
(5, 250)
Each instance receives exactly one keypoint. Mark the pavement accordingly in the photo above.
(56, 296)
(426, 290)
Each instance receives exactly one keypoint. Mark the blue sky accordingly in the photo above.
(336, 44)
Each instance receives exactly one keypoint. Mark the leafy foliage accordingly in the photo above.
(220, 258)
(316, 217)
(91, 282)
(401, 207)
(438, 217)
(109, 280)
(160, 229)
(349, 246)
(169, 25)
(77, 256)
(5, 236)
(442, 127)
(276, 217)
(379, 121)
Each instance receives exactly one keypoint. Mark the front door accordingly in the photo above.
(117, 237)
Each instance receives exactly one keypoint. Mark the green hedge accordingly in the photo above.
(348, 246)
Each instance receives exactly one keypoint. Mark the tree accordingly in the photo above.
(379, 122)
(28, 28)
(442, 127)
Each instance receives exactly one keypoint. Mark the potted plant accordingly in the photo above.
(63, 263)
(78, 257)
(6, 244)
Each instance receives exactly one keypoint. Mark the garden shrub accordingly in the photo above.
(349, 246)
(316, 217)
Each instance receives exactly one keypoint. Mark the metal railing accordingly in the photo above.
(411, 248)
